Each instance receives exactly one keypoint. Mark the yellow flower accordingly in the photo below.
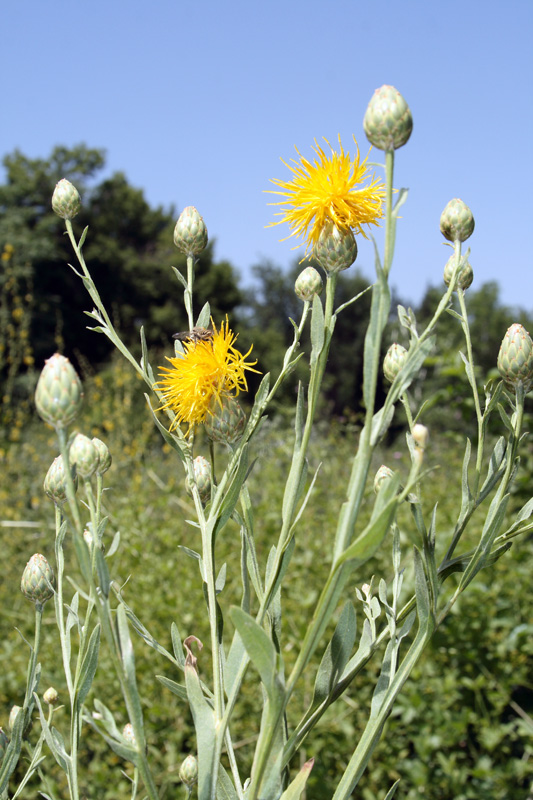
(207, 370)
(327, 190)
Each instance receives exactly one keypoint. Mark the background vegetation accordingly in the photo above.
(463, 727)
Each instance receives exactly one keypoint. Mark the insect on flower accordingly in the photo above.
(195, 336)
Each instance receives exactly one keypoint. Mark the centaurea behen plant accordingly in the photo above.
(327, 202)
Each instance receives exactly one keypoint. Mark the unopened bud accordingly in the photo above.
(308, 283)
(388, 121)
(129, 734)
(457, 221)
(202, 478)
(226, 420)
(465, 274)
(190, 233)
(104, 456)
(394, 360)
(335, 249)
(383, 475)
(84, 455)
(50, 696)
(58, 396)
(420, 436)
(66, 200)
(38, 580)
(189, 771)
(515, 359)
(55, 483)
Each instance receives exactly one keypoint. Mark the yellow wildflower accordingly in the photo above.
(327, 190)
(208, 369)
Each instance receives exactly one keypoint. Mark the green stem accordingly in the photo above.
(479, 414)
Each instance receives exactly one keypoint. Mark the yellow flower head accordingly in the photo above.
(327, 189)
(207, 370)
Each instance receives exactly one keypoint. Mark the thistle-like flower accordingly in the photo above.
(336, 249)
(515, 359)
(58, 396)
(394, 360)
(66, 200)
(465, 275)
(388, 121)
(457, 221)
(38, 580)
(328, 189)
(208, 372)
(308, 283)
(190, 233)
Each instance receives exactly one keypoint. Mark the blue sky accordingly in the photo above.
(197, 102)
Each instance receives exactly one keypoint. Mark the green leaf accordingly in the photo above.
(204, 725)
(176, 688)
(336, 655)
(128, 665)
(231, 496)
(225, 788)
(491, 529)
(259, 646)
(294, 790)
(180, 277)
(88, 666)
(317, 330)
(204, 317)
(177, 645)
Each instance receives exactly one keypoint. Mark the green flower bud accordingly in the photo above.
(420, 436)
(465, 275)
(38, 580)
(515, 359)
(13, 714)
(84, 454)
(55, 483)
(457, 221)
(388, 121)
(394, 360)
(4, 741)
(66, 200)
(225, 421)
(383, 474)
(308, 283)
(58, 395)
(189, 771)
(50, 696)
(190, 233)
(129, 734)
(335, 249)
(104, 456)
(202, 478)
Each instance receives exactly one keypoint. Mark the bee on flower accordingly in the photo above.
(210, 371)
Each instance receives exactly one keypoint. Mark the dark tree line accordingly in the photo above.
(129, 252)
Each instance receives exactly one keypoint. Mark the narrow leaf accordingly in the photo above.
(294, 790)
(89, 665)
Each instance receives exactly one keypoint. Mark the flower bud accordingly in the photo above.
(420, 436)
(225, 421)
(38, 580)
(394, 360)
(190, 233)
(202, 478)
(50, 696)
(457, 221)
(388, 121)
(84, 454)
(4, 741)
(58, 395)
(308, 283)
(129, 734)
(465, 275)
(13, 714)
(189, 771)
(104, 456)
(55, 483)
(66, 200)
(515, 359)
(335, 249)
(383, 474)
